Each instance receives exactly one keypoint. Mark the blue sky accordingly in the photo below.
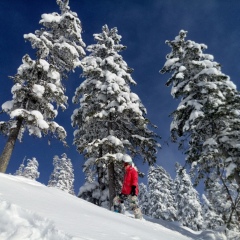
(145, 26)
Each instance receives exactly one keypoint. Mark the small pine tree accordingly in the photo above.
(143, 198)
(90, 190)
(224, 197)
(30, 170)
(189, 211)
(211, 219)
(160, 185)
(62, 176)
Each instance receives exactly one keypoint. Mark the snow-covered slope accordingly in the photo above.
(31, 211)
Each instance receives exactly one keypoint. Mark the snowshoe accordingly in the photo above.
(118, 205)
(117, 208)
(133, 204)
(137, 213)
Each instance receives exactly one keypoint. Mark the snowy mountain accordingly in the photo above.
(31, 211)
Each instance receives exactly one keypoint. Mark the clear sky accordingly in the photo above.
(144, 26)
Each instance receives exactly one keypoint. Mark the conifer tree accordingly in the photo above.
(111, 120)
(38, 90)
(161, 197)
(62, 176)
(189, 211)
(211, 219)
(224, 197)
(206, 122)
(31, 169)
(207, 119)
(90, 191)
(143, 199)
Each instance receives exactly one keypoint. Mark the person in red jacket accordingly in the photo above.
(130, 181)
(129, 189)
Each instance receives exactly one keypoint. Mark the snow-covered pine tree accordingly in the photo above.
(211, 219)
(143, 199)
(189, 211)
(31, 169)
(111, 120)
(161, 197)
(62, 176)
(90, 191)
(207, 118)
(224, 196)
(229, 137)
(38, 89)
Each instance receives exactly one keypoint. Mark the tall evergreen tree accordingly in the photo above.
(38, 89)
(111, 120)
(207, 118)
(62, 176)
(161, 197)
(189, 211)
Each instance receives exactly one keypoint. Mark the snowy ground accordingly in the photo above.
(31, 211)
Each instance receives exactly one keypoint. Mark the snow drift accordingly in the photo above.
(30, 210)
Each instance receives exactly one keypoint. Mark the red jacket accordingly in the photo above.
(130, 179)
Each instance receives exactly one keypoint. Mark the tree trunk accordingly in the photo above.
(111, 176)
(8, 149)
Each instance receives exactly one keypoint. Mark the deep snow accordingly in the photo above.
(31, 211)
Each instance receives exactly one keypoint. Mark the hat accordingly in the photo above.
(127, 159)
